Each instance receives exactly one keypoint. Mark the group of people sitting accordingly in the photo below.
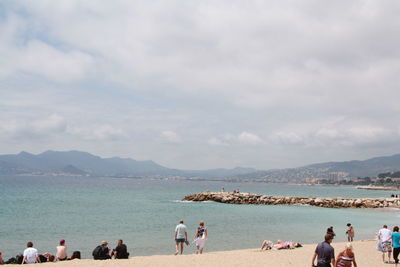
(101, 252)
(31, 255)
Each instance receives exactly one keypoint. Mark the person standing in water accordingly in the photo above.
(350, 232)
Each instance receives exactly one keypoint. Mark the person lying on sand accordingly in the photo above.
(267, 244)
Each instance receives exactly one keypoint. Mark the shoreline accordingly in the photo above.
(365, 252)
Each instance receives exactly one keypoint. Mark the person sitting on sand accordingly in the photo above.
(200, 237)
(47, 257)
(102, 252)
(31, 255)
(180, 237)
(384, 235)
(121, 251)
(61, 254)
(324, 253)
(350, 232)
(346, 258)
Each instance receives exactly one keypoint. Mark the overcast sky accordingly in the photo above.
(202, 84)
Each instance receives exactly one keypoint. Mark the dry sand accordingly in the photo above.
(365, 253)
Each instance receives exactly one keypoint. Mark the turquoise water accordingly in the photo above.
(85, 211)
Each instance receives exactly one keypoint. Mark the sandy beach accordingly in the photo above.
(365, 251)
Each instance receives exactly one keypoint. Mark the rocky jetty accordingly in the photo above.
(257, 199)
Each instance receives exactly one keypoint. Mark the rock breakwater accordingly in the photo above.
(258, 199)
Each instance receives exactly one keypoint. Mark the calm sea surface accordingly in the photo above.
(144, 213)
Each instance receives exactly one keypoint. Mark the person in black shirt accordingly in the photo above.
(121, 251)
(101, 252)
(325, 253)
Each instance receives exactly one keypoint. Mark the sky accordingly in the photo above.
(202, 84)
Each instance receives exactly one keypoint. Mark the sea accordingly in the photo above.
(144, 212)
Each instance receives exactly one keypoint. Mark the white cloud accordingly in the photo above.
(335, 132)
(42, 59)
(54, 123)
(286, 138)
(36, 57)
(245, 138)
(249, 138)
(103, 132)
(34, 128)
(170, 136)
(217, 142)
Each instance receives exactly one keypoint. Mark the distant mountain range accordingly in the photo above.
(355, 168)
(83, 163)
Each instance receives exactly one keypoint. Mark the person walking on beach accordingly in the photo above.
(396, 244)
(346, 258)
(325, 253)
(200, 237)
(61, 253)
(31, 255)
(121, 251)
(350, 232)
(384, 237)
(180, 237)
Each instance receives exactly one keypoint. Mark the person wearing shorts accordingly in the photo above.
(384, 236)
(200, 237)
(180, 237)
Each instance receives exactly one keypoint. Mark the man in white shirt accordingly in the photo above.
(384, 236)
(31, 255)
(180, 236)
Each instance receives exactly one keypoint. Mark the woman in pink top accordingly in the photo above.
(61, 254)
